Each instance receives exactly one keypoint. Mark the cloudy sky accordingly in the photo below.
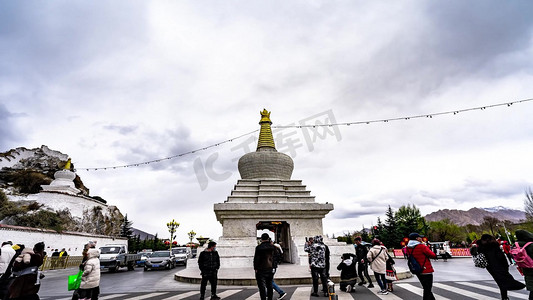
(125, 82)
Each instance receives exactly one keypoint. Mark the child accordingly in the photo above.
(348, 272)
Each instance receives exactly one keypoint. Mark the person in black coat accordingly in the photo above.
(348, 272)
(497, 264)
(209, 263)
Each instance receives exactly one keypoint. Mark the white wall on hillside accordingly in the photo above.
(72, 242)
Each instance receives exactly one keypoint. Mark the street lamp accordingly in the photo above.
(191, 235)
(172, 226)
(506, 232)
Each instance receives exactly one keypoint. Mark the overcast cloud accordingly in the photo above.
(125, 82)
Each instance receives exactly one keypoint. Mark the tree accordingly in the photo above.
(364, 234)
(390, 236)
(490, 224)
(528, 205)
(410, 220)
(445, 230)
(125, 229)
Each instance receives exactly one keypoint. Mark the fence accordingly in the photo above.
(53, 263)
(455, 252)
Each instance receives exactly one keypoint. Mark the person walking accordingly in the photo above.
(317, 252)
(209, 263)
(90, 279)
(377, 256)
(277, 260)
(27, 280)
(6, 254)
(523, 237)
(63, 257)
(422, 254)
(264, 267)
(362, 263)
(348, 272)
(497, 264)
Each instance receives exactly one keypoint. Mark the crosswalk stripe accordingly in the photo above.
(109, 296)
(493, 289)
(343, 295)
(418, 291)
(146, 296)
(388, 296)
(254, 297)
(301, 293)
(228, 293)
(461, 291)
(182, 296)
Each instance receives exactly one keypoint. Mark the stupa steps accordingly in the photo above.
(270, 199)
(270, 193)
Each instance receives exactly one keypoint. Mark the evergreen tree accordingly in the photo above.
(125, 229)
(390, 236)
(409, 220)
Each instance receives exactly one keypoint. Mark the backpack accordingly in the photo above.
(413, 264)
(520, 256)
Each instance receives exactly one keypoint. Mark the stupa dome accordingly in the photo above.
(266, 162)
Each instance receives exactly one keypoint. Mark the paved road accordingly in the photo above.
(456, 279)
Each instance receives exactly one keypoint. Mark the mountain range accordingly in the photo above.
(474, 216)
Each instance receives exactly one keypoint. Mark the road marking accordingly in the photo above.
(146, 296)
(108, 296)
(254, 297)
(343, 295)
(182, 296)
(493, 289)
(461, 291)
(301, 293)
(228, 293)
(418, 291)
(388, 296)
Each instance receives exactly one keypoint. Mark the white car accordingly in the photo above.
(182, 254)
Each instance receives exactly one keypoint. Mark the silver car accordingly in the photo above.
(160, 260)
(182, 254)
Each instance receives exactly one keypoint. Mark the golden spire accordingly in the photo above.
(265, 135)
(67, 165)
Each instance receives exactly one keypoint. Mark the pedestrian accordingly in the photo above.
(497, 264)
(277, 260)
(348, 272)
(523, 237)
(209, 263)
(264, 267)
(7, 257)
(317, 252)
(377, 256)
(362, 262)
(90, 279)
(422, 254)
(506, 247)
(54, 258)
(63, 257)
(84, 253)
(6, 254)
(308, 243)
(27, 280)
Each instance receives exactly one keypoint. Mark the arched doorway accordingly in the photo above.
(282, 235)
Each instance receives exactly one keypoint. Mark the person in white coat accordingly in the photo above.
(6, 254)
(377, 256)
(90, 280)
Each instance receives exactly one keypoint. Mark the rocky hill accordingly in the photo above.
(475, 215)
(22, 202)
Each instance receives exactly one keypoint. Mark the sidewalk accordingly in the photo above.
(287, 274)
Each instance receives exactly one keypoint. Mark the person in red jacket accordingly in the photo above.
(423, 255)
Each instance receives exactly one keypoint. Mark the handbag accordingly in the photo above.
(74, 281)
(480, 260)
(390, 275)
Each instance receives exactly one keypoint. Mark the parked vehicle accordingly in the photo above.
(160, 260)
(113, 257)
(144, 256)
(182, 254)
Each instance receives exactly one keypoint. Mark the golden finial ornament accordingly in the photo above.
(265, 134)
(67, 165)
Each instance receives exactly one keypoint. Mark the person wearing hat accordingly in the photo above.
(422, 254)
(264, 267)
